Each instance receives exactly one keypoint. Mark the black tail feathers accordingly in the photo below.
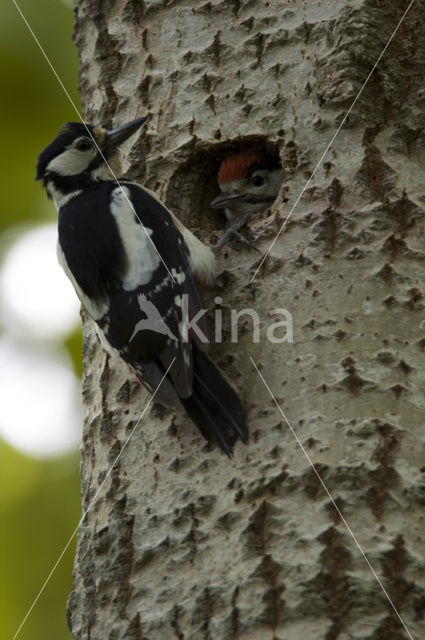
(214, 406)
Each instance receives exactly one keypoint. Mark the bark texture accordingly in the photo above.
(183, 543)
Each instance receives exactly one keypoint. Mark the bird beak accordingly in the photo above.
(225, 199)
(117, 136)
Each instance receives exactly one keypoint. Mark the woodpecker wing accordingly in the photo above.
(136, 299)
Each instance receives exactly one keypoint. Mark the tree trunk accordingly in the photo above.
(183, 542)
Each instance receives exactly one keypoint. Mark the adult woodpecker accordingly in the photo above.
(249, 182)
(133, 265)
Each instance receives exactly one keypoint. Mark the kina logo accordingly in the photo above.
(153, 320)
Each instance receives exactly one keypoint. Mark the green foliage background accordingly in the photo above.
(39, 500)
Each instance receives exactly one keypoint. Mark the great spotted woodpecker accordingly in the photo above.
(249, 182)
(134, 267)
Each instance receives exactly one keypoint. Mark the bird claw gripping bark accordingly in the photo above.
(233, 231)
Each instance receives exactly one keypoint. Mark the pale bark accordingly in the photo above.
(183, 543)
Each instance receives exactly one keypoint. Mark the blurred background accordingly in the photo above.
(40, 338)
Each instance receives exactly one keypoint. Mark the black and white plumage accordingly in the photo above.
(132, 262)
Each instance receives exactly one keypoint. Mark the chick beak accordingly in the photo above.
(225, 199)
(117, 136)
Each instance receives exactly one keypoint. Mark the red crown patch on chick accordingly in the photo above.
(236, 166)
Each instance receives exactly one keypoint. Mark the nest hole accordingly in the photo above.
(194, 185)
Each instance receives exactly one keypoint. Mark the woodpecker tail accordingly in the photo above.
(214, 406)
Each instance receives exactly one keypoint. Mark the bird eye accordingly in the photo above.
(257, 181)
(84, 144)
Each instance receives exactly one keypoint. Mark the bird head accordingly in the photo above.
(249, 183)
(78, 153)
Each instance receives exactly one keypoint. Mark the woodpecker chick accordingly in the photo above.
(133, 266)
(249, 183)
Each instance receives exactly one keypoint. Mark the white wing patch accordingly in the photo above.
(143, 258)
(201, 258)
(179, 276)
